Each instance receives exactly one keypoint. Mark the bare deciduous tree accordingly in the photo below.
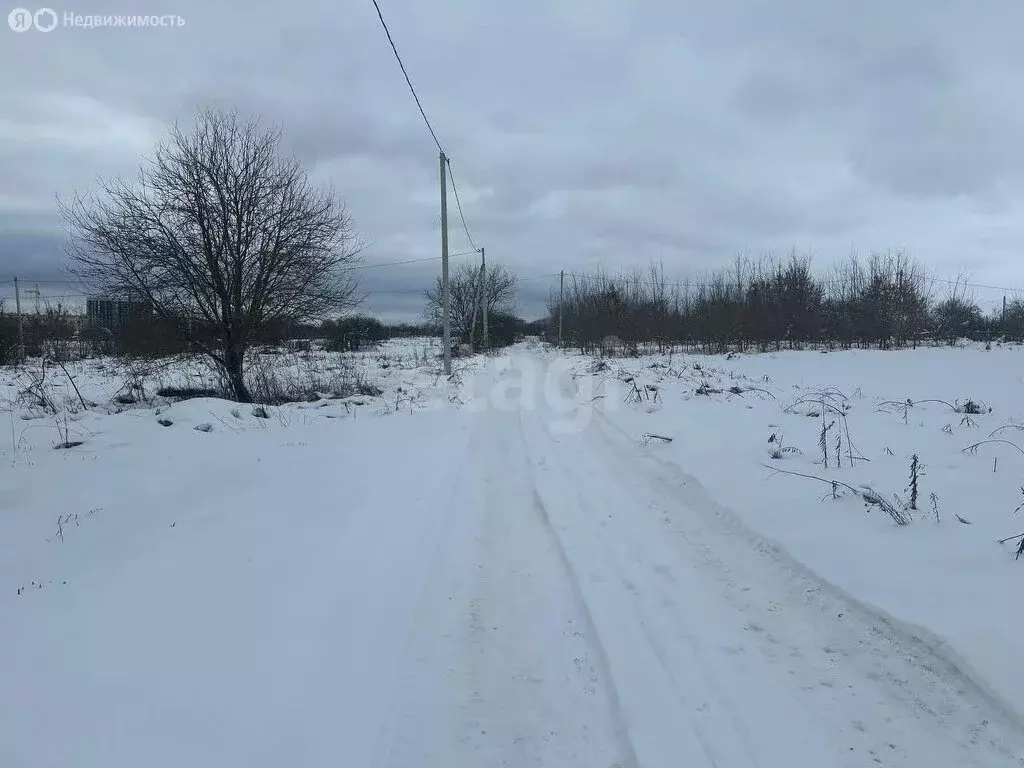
(221, 235)
(463, 292)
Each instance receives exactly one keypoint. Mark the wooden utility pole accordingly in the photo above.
(445, 317)
(483, 295)
(476, 306)
(1002, 320)
(21, 324)
(561, 302)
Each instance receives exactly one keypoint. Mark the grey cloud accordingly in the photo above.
(33, 255)
(941, 143)
(611, 132)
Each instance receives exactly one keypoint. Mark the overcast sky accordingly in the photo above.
(581, 132)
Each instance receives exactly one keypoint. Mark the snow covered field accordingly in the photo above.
(949, 579)
(501, 569)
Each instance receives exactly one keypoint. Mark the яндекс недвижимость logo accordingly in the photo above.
(22, 20)
(46, 20)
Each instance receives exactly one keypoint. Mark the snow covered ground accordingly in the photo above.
(48, 405)
(949, 582)
(500, 569)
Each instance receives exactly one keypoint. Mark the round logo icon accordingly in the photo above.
(20, 20)
(45, 19)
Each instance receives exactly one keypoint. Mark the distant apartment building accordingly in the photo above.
(113, 313)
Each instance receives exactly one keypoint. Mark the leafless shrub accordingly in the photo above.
(1021, 505)
(916, 471)
(41, 397)
(830, 401)
(736, 389)
(974, 448)
(778, 449)
(1019, 538)
(186, 392)
(35, 391)
(967, 408)
(139, 373)
(706, 389)
(63, 520)
(638, 394)
(823, 440)
(367, 389)
(869, 495)
(279, 380)
(972, 408)
(903, 408)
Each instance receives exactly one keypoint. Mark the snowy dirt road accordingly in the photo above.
(613, 615)
(523, 584)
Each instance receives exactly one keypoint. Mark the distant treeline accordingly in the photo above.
(886, 300)
(59, 334)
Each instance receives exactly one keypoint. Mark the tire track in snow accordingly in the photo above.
(391, 737)
(661, 713)
(542, 689)
(808, 674)
(674, 642)
(909, 679)
(500, 668)
(621, 731)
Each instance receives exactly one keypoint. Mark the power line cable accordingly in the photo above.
(407, 80)
(547, 275)
(413, 261)
(458, 203)
(430, 128)
(395, 291)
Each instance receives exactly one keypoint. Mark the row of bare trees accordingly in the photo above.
(886, 300)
